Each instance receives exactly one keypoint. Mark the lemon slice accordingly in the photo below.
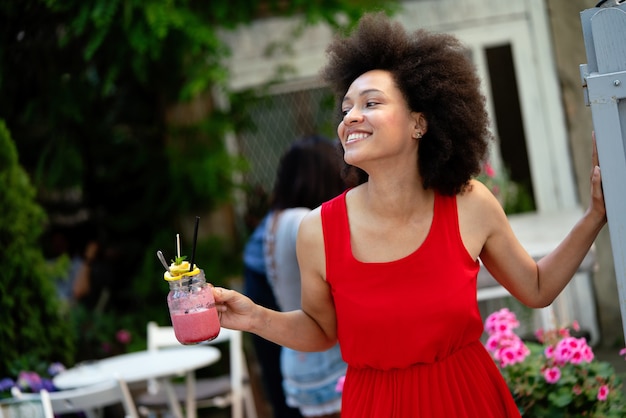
(178, 271)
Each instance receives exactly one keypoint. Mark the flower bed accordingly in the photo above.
(556, 377)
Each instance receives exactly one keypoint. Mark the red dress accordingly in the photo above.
(409, 329)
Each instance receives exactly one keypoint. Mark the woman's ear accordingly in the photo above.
(421, 125)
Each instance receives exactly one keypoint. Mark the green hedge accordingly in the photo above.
(32, 329)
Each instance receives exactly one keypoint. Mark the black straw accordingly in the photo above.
(195, 240)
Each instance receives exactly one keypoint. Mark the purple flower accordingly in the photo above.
(48, 385)
(6, 384)
(55, 368)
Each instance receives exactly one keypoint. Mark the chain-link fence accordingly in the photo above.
(278, 119)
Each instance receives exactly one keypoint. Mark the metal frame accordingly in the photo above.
(604, 87)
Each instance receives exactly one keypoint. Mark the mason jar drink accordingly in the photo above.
(191, 305)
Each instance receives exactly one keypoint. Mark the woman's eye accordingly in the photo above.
(370, 104)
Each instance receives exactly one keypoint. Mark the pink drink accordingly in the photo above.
(196, 326)
(192, 306)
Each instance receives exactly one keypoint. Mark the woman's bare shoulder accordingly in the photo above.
(477, 198)
(310, 231)
(480, 216)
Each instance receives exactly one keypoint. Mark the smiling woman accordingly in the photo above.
(426, 69)
(400, 251)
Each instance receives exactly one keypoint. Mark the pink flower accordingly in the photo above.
(562, 355)
(502, 321)
(552, 374)
(562, 365)
(508, 356)
(29, 380)
(603, 393)
(577, 357)
(539, 334)
(566, 351)
(503, 344)
(563, 332)
(492, 344)
(513, 351)
(489, 171)
(339, 386)
(123, 336)
(572, 350)
(588, 354)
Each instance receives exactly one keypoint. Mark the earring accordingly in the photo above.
(417, 135)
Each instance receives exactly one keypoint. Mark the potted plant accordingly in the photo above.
(557, 376)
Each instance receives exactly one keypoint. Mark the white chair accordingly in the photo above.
(89, 399)
(228, 390)
(21, 408)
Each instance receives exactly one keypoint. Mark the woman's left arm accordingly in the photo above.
(537, 284)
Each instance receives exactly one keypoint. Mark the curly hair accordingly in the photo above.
(437, 78)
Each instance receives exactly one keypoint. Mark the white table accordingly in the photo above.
(142, 366)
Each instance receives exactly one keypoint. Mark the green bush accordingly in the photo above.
(32, 329)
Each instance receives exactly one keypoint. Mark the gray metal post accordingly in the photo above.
(604, 86)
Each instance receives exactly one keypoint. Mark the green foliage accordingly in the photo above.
(99, 333)
(32, 327)
(99, 95)
(514, 197)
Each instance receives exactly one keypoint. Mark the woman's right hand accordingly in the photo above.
(234, 309)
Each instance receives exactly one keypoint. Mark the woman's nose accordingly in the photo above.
(352, 116)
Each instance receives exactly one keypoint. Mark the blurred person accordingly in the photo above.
(81, 250)
(258, 289)
(308, 174)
